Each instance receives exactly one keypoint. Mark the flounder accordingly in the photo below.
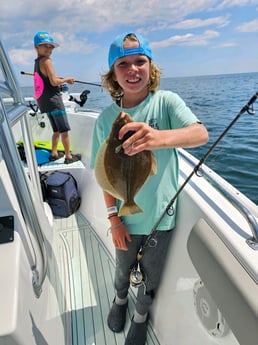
(119, 174)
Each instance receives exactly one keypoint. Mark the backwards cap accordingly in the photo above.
(42, 37)
(116, 50)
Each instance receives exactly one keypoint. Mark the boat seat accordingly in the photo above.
(232, 289)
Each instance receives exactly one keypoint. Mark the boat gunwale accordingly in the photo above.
(240, 205)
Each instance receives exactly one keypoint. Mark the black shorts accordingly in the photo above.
(59, 121)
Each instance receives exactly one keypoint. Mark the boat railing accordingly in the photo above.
(245, 211)
(10, 114)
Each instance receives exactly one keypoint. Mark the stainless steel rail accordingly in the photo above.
(250, 217)
(9, 115)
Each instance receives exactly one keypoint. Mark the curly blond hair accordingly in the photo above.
(115, 90)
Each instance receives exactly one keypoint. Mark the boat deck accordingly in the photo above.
(86, 270)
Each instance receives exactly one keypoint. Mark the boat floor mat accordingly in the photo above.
(86, 280)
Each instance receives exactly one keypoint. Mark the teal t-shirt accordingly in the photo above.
(160, 110)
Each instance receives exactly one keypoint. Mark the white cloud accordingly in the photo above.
(70, 43)
(22, 56)
(232, 3)
(187, 40)
(251, 26)
(197, 22)
(226, 45)
(98, 15)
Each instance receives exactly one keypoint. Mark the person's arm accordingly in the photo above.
(119, 231)
(147, 138)
(47, 68)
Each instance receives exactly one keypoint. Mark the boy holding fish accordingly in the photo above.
(160, 122)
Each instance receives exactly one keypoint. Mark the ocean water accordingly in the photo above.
(216, 100)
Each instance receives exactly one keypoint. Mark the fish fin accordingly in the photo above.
(100, 173)
(129, 209)
(153, 165)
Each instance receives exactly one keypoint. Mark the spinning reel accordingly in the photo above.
(83, 98)
(35, 108)
(136, 276)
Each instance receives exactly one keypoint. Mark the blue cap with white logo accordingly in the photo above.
(43, 37)
(116, 50)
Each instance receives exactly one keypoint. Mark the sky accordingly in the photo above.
(188, 38)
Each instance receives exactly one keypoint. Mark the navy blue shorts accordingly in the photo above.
(59, 121)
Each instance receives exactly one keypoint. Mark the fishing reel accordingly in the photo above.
(136, 276)
(83, 98)
(35, 109)
(63, 87)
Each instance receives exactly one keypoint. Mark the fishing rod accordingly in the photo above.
(76, 81)
(136, 275)
(169, 209)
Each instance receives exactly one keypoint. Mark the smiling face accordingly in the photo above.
(132, 73)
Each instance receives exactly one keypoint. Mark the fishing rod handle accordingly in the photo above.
(27, 73)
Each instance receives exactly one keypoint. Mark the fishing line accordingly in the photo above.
(218, 153)
(228, 148)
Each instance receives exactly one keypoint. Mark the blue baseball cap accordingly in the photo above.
(43, 37)
(116, 49)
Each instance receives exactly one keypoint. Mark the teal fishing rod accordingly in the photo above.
(76, 81)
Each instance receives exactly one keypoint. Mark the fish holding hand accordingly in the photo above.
(121, 175)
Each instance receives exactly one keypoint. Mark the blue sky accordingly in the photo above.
(192, 37)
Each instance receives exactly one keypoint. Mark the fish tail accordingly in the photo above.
(129, 209)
